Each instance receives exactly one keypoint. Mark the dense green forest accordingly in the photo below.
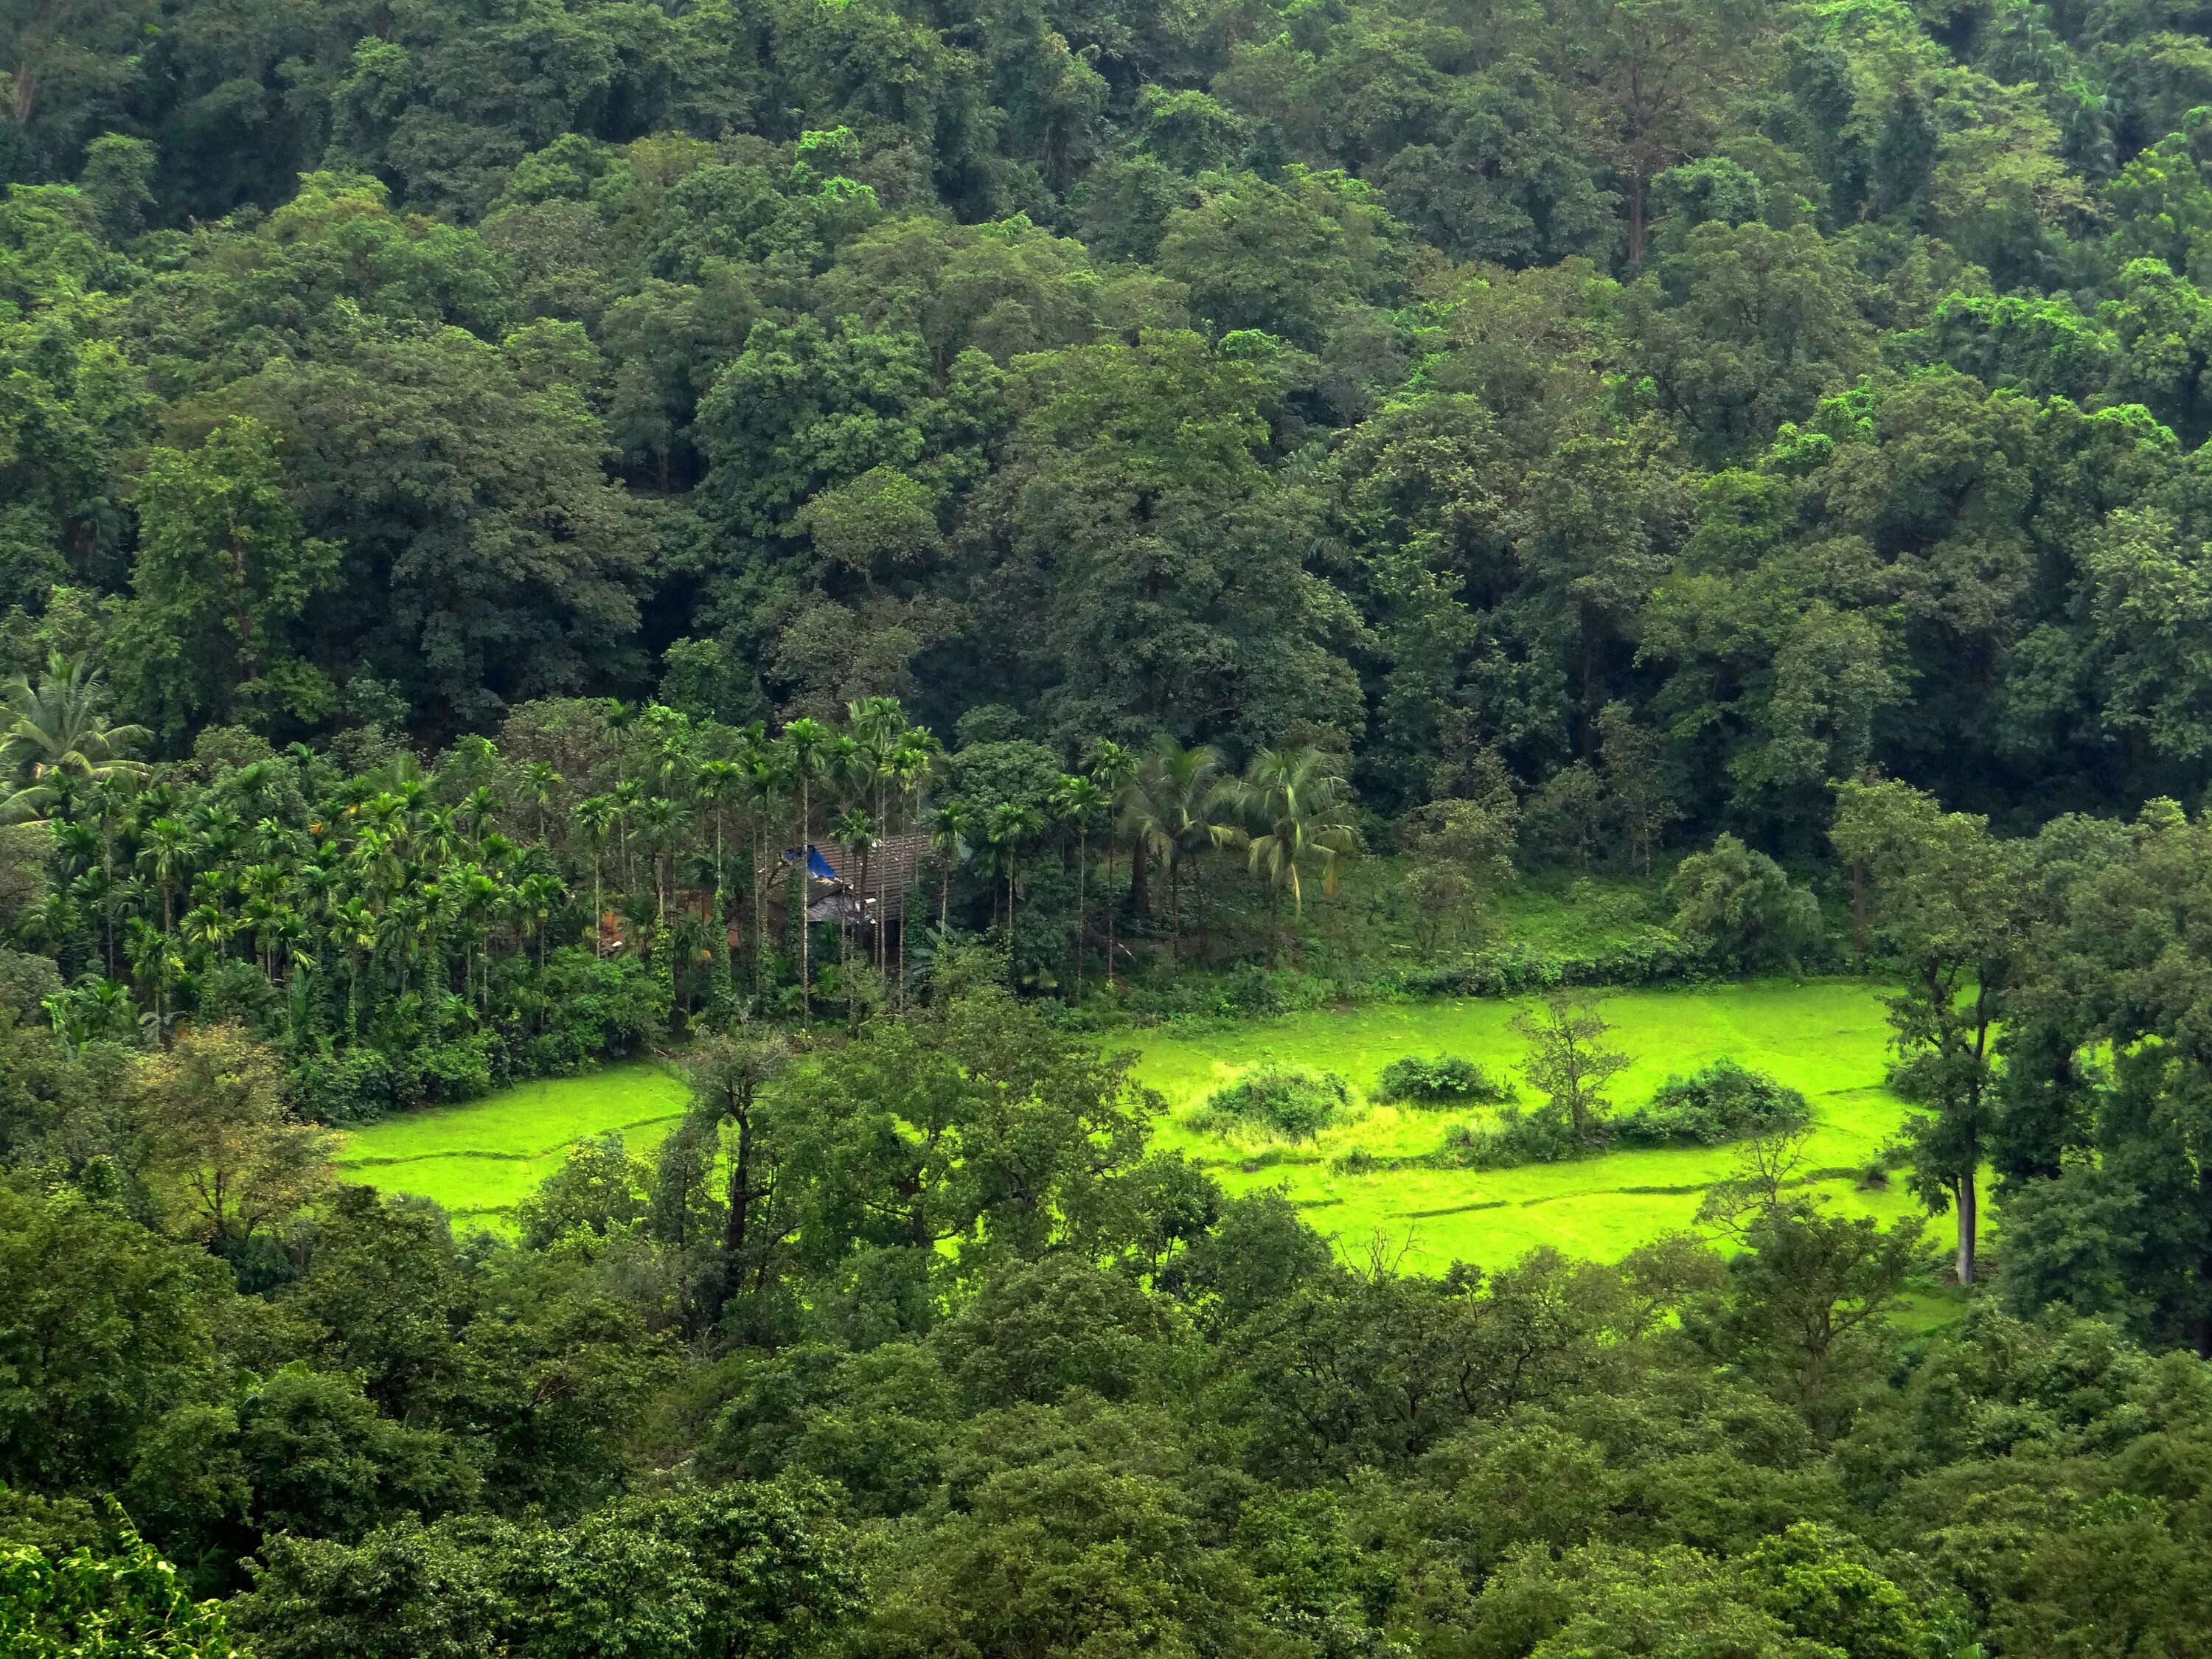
(1210, 499)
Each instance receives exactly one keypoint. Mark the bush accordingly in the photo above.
(354, 1087)
(1442, 1080)
(1722, 1102)
(1296, 1104)
(1741, 907)
(1546, 1135)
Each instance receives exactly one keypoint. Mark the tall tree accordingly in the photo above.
(1947, 899)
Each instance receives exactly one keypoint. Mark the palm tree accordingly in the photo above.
(948, 827)
(1079, 801)
(353, 924)
(168, 846)
(628, 793)
(537, 893)
(719, 782)
(594, 814)
(1170, 807)
(1294, 802)
(1010, 824)
(55, 736)
(880, 729)
(764, 771)
(855, 834)
(806, 748)
(540, 784)
(911, 766)
(661, 821)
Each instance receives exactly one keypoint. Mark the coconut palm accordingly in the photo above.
(1172, 807)
(1296, 807)
(56, 737)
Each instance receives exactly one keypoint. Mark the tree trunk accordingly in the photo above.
(1859, 911)
(1112, 906)
(1082, 870)
(1967, 1223)
(805, 892)
(1140, 878)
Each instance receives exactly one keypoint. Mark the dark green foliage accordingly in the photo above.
(1442, 1080)
(1741, 907)
(474, 482)
(1725, 1102)
(1295, 1103)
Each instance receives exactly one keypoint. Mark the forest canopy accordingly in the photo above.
(857, 546)
(1820, 384)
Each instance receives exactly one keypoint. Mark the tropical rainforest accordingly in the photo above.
(1196, 506)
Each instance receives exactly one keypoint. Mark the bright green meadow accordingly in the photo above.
(480, 1159)
(1826, 1038)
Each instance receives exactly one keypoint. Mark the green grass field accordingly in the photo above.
(1826, 1038)
(480, 1159)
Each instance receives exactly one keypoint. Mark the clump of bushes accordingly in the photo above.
(1296, 1104)
(1546, 1135)
(1441, 1080)
(1725, 1102)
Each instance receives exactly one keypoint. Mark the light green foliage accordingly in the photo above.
(1294, 1105)
(1444, 1080)
(89, 1604)
(481, 1160)
(1827, 1039)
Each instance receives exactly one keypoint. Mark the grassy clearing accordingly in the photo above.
(1826, 1038)
(478, 1160)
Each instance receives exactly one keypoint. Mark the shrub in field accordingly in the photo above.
(1295, 1103)
(1440, 1080)
(1725, 1102)
(1546, 1135)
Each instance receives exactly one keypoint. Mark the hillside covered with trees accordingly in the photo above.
(1215, 503)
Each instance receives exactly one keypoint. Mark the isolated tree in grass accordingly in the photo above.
(1567, 1061)
(1298, 807)
(223, 1156)
(1740, 903)
(1947, 910)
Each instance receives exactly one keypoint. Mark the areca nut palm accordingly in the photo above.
(1079, 802)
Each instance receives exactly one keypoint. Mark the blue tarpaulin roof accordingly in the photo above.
(816, 865)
